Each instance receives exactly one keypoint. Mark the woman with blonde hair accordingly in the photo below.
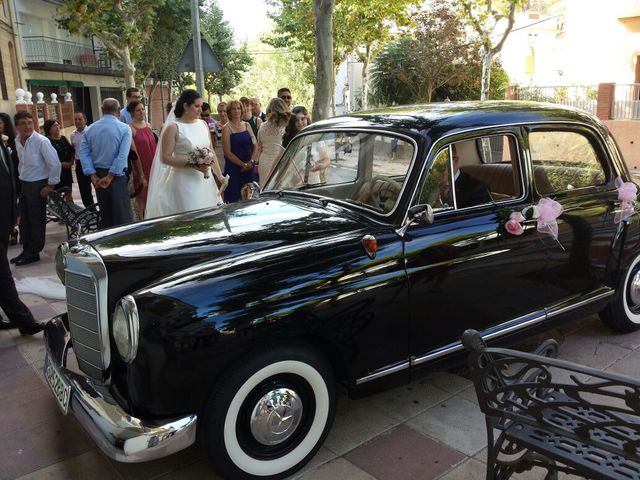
(270, 137)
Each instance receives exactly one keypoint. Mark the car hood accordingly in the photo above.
(136, 254)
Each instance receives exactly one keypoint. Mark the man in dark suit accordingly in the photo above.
(19, 314)
(469, 191)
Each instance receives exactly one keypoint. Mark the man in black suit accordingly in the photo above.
(469, 191)
(19, 314)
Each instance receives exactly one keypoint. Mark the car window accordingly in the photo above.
(485, 170)
(564, 160)
(359, 167)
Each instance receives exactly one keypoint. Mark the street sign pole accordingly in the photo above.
(197, 47)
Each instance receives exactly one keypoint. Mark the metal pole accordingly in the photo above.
(197, 46)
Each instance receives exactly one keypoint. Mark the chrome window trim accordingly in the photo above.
(491, 333)
(538, 123)
(378, 131)
(90, 257)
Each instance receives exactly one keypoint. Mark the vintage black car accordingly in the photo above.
(361, 262)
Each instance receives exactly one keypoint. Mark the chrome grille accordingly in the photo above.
(86, 283)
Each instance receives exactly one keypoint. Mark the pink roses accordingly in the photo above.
(514, 224)
(545, 213)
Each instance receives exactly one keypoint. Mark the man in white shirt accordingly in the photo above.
(39, 171)
(84, 182)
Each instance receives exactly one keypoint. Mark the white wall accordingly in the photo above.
(595, 46)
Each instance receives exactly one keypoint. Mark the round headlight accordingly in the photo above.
(61, 261)
(125, 328)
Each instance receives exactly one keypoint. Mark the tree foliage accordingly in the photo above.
(235, 61)
(163, 49)
(360, 27)
(484, 17)
(122, 26)
(436, 53)
(273, 68)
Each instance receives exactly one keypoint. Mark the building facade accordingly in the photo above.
(53, 61)
(575, 42)
(10, 74)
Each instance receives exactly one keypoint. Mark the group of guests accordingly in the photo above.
(247, 143)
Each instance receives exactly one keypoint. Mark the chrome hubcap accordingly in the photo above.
(634, 289)
(276, 416)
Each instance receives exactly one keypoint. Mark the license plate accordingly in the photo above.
(59, 387)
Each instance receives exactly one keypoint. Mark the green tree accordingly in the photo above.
(122, 26)
(484, 16)
(468, 86)
(367, 26)
(360, 27)
(235, 61)
(417, 64)
(163, 49)
(271, 69)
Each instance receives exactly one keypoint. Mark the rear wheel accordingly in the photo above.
(270, 415)
(623, 313)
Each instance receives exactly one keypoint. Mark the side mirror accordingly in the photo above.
(420, 214)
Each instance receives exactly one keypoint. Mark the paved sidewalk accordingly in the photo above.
(431, 429)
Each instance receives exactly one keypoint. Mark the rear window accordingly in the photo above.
(563, 161)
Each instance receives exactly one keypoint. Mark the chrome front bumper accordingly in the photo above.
(119, 435)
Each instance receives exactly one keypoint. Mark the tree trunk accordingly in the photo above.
(365, 77)
(128, 68)
(486, 73)
(323, 29)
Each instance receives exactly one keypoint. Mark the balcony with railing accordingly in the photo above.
(63, 55)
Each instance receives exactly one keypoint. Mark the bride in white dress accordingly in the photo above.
(175, 187)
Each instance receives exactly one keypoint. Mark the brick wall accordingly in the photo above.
(627, 135)
(160, 98)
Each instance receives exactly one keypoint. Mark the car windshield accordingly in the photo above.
(364, 168)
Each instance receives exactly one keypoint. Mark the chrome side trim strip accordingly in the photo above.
(383, 372)
(597, 295)
(491, 333)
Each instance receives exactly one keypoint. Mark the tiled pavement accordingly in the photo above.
(431, 429)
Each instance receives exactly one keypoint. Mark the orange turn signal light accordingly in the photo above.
(370, 245)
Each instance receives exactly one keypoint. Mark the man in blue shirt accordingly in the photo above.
(103, 154)
(131, 94)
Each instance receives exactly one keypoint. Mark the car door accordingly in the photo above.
(570, 165)
(464, 270)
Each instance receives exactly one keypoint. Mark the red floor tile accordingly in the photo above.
(27, 409)
(19, 380)
(10, 358)
(34, 447)
(404, 453)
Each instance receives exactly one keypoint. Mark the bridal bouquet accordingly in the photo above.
(200, 156)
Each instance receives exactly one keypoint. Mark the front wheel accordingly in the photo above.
(623, 313)
(269, 416)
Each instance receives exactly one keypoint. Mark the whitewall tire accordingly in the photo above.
(269, 416)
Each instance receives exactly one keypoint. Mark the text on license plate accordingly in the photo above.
(59, 387)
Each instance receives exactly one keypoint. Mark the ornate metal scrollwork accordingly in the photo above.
(555, 414)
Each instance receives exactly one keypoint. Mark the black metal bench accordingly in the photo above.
(77, 219)
(554, 414)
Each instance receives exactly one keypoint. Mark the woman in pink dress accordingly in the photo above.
(144, 145)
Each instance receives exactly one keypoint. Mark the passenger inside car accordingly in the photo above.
(468, 190)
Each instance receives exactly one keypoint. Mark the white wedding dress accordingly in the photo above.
(181, 189)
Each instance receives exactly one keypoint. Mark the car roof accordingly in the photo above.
(438, 119)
